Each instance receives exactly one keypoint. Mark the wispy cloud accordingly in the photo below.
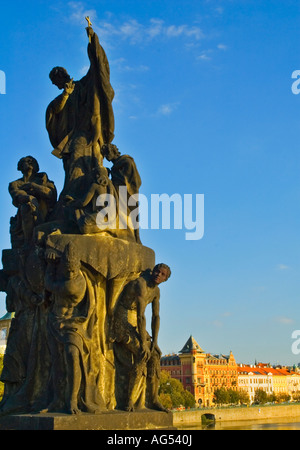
(204, 56)
(135, 32)
(84, 70)
(284, 320)
(167, 109)
(218, 323)
(122, 65)
(282, 267)
(130, 29)
(78, 12)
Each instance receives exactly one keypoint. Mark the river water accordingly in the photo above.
(267, 424)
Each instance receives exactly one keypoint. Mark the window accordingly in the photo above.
(3, 334)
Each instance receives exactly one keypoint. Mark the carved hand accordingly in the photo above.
(69, 87)
(90, 32)
(51, 256)
(146, 351)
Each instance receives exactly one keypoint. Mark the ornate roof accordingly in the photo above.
(7, 316)
(191, 344)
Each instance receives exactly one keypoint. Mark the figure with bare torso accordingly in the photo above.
(129, 332)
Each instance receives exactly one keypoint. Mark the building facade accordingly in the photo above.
(5, 323)
(278, 381)
(252, 378)
(201, 373)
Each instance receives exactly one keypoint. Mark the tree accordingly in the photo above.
(172, 392)
(283, 397)
(234, 396)
(272, 397)
(296, 396)
(260, 396)
(244, 397)
(189, 400)
(166, 400)
(221, 396)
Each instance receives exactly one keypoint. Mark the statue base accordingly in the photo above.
(111, 420)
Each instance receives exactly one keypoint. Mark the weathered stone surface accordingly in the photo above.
(113, 420)
(78, 278)
(10, 261)
(109, 256)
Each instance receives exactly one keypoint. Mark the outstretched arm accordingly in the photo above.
(19, 195)
(59, 103)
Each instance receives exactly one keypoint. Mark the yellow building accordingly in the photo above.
(276, 381)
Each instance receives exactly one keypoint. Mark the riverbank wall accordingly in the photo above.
(193, 417)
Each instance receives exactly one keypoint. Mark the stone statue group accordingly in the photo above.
(78, 340)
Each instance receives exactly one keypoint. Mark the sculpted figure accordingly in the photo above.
(74, 359)
(34, 195)
(80, 120)
(21, 392)
(130, 336)
(21, 301)
(85, 209)
(124, 173)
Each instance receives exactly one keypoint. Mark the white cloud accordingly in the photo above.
(136, 32)
(282, 267)
(156, 28)
(222, 47)
(167, 109)
(183, 30)
(284, 320)
(130, 29)
(122, 65)
(204, 57)
(84, 70)
(78, 13)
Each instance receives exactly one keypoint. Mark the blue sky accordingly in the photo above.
(204, 105)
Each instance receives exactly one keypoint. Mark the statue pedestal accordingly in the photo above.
(107, 265)
(111, 420)
(111, 257)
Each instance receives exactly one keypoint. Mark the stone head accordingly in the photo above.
(110, 152)
(28, 163)
(161, 273)
(59, 76)
(70, 262)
